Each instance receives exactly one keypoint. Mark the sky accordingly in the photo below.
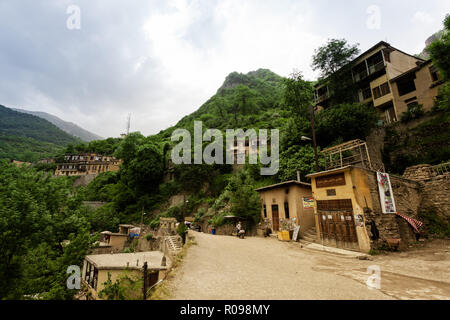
(93, 62)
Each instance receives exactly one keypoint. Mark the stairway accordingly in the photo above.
(173, 243)
(310, 235)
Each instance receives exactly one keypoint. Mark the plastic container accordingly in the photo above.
(213, 231)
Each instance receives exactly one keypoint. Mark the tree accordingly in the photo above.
(298, 157)
(37, 213)
(439, 52)
(243, 101)
(333, 56)
(244, 200)
(333, 60)
(345, 122)
(297, 94)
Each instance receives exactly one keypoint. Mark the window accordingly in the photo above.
(286, 210)
(265, 211)
(406, 86)
(434, 73)
(381, 91)
(385, 89)
(376, 92)
(366, 93)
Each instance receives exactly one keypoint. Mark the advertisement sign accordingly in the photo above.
(386, 195)
(308, 203)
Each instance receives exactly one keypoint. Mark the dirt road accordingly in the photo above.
(223, 267)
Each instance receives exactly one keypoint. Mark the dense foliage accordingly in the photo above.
(26, 138)
(37, 214)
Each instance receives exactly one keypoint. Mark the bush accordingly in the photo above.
(148, 236)
(414, 111)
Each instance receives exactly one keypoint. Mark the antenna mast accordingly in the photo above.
(128, 123)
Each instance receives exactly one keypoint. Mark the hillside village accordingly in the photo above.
(364, 173)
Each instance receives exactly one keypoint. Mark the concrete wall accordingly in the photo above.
(400, 63)
(425, 92)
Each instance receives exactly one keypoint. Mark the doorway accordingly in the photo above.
(337, 224)
(275, 218)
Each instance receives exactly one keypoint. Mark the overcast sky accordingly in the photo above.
(161, 60)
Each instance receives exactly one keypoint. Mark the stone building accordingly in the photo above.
(286, 204)
(86, 164)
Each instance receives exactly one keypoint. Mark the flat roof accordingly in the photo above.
(284, 184)
(121, 261)
(126, 225)
(322, 173)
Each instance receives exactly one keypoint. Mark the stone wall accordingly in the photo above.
(84, 180)
(436, 196)
(419, 172)
(390, 226)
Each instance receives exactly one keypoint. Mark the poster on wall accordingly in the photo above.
(308, 203)
(385, 191)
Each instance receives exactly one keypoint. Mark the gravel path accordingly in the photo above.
(224, 267)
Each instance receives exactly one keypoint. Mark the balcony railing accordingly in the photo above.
(372, 69)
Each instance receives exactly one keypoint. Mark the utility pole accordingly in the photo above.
(145, 273)
(311, 107)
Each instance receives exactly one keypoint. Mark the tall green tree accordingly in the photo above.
(332, 56)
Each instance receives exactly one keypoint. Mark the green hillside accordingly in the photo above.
(252, 100)
(26, 137)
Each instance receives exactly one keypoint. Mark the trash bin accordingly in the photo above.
(213, 231)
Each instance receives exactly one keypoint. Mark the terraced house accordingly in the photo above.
(86, 164)
(389, 80)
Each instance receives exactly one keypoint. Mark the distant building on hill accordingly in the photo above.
(388, 79)
(21, 163)
(46, 161)
(86, 164)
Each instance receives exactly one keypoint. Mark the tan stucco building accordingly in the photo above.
(287, 201)
(349, 213)
(377, 74)
(86, 164)
(96, 269)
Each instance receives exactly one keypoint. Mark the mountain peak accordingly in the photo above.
(235, 78)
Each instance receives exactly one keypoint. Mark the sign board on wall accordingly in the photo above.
(308, 202)
(386, 194)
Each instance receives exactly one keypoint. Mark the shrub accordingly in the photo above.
(414, 111)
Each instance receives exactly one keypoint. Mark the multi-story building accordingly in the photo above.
(389, 79)
(86, 164)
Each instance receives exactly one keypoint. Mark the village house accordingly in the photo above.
(287, 204)
(388, 79)
(86, 164)
(97, 267)
(359, 207)
(113, 242)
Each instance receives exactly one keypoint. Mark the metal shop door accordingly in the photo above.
(336, 222)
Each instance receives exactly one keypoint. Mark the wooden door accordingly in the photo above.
(275, 218)
(337, 223)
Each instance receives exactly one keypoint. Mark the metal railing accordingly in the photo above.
(440, 169)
